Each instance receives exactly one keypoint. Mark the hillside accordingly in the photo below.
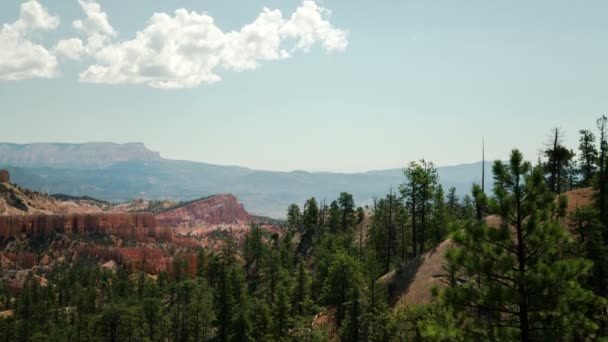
(18, 201)
(121, 173)
(412, 283)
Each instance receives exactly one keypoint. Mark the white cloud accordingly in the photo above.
(179, 50)
(35, 17)
(187, 49)
(21, 58)
(69, 48)
(96, 23)
(309, 25)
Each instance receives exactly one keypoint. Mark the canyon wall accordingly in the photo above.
(139, 226)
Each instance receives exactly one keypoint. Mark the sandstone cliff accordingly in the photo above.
(219, 209)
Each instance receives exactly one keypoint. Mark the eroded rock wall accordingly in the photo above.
(138, 226)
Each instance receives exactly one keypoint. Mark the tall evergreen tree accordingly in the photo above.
(302, 291)
(517, 281)
(452, 204)
(421, 181)
(294, 216)
(282, 311)
(587, 156)
(558, 160)
(343, 277)
(439, 218)
(310, 217)
(334, 217)
(347, 210)
(602, 181)
(201, 313)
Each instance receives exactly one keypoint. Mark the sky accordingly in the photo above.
(333, 85)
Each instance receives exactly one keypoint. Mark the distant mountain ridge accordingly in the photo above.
(122, 172)
(82, 156)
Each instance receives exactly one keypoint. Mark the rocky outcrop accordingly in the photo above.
(14, 260)
(137, 226)
(219, 209)
(5, 177)
(149, 260)
(153, 260)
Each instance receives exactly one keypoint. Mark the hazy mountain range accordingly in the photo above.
(121, 172)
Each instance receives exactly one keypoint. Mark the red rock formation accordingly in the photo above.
(220, 209)
(22, 260)
(139, 226)
(5, 177)
(147, 259)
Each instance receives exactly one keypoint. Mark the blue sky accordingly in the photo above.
(387, 82)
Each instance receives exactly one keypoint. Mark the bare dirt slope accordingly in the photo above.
(579, 198)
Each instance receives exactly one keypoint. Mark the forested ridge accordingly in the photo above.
(520, 266)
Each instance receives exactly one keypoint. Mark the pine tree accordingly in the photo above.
(334, 217)
(588, 157)
(602, 182)
(421, 182)
(351, 330)
(282, 311)
(453, 204)
(516, 281)
(201, 312)
(342, 278)
(240, 324)
(227, 290)
(347, 210)
(310, 217)
(439, 218)
(558, 159)
(261, 320)
(294, 216)
(302, 290)
(467, 208)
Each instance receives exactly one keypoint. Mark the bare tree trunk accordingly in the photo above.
(521, 258)
(389, 223)
(422, 223)
(414, 219)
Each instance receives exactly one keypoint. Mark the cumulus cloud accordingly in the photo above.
(187, 49)
(96, 22)
(72, 48)
(309, 25)
(20, 57)
(35, 17)
(179, 50)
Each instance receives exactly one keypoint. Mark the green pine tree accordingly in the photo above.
(516, 281)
